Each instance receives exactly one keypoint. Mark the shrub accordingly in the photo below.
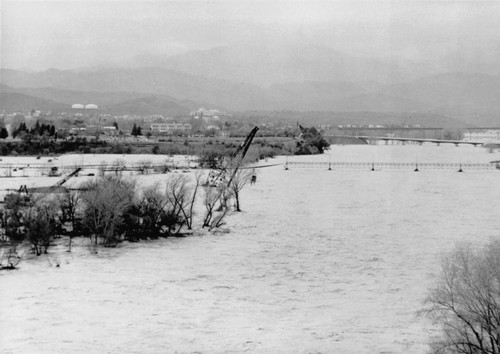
(40, 226)
(105, 201)
(213, 157)
(9, 257)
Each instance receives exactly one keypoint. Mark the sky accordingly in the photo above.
(38, 35)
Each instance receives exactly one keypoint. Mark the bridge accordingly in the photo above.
(418, 140)
(364, 139)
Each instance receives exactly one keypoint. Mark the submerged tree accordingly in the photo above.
(188, 210)
(118, 166)
(178, 196)
(40, 225)
(105, 201)
(69, 203)
(466, 301)
(144, 218)
(214, 216)
(13, 217)
(240, 179)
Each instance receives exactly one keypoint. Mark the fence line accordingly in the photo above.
(391, 165)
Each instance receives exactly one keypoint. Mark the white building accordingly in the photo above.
(482, 134)
(170, 127)
(204, 113)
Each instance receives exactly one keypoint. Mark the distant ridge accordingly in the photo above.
(108, 102)
(18, 102)
(265, 64)
(148, 105)
(471, 98)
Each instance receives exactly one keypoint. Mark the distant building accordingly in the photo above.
(35, 113)
(110, 130)
(91, 106)
(213, 127)
(204, 113)
(482, 134)
(170, 127)
(77, 106)
(76, 131)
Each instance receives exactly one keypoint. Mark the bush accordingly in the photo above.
(213, 158)
(105, 201)
(312, 142)
(40, 226)
(466, 301)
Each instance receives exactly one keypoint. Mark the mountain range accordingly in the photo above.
(262, 78)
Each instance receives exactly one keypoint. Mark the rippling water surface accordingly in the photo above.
(318, 261)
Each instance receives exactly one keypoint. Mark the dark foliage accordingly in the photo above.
(311, 142)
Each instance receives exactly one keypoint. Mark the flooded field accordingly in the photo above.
(318, 261)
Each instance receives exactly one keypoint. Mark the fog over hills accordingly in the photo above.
(265, 64)
(263, 77)
(143, 80)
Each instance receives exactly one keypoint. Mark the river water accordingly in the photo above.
(318, 261)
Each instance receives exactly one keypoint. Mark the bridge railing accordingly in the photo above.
(390, 165)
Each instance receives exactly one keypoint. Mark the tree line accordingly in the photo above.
(38, 129)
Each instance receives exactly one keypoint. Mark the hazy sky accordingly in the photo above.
(79, 33)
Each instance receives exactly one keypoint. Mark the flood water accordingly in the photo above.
(318, 261)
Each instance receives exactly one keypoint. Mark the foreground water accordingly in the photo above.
(319, 261)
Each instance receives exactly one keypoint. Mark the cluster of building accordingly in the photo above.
(214, 114)
(170, 127)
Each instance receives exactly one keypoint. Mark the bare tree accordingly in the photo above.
(187, 209)
(466, 301)
(145, 167)
(149, 212)
(199, 176)
(240, 179)
(178, 196)
(69, 203)
(118, 166)
(13, 217)
(105, 202)
(214, 217)
(40, 225)
(9, 257)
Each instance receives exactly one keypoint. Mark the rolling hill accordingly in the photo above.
(18, 102)
(119, 103)
(152, 81)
